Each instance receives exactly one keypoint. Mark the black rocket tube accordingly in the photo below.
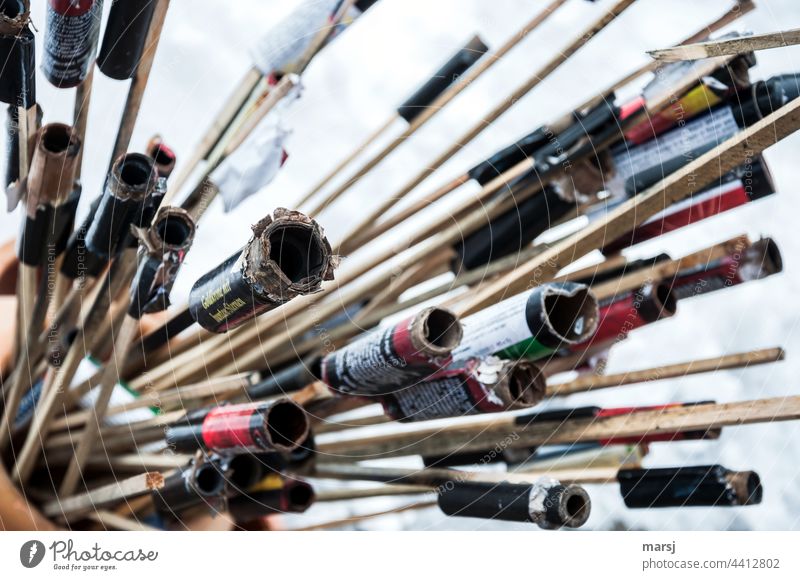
(162, 249)
(513, 230)
(17, 55)
(702, 485)
(131, 180)
(531, 325)
(490, 385)
(385, 361)
(546, 503)
(71, 32)
(448, 74)
(124, 38)
(288, 256)
(253, 427)
(189, 487)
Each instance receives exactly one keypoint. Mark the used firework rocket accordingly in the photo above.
(52, 197)
(531, 325)
(386, 361)
(254, 427)
(702, 485)
(131, 180)
(547, 503)
(490, 385)
(162, 249)
(72, 28)
(288, 256)
(759, 260)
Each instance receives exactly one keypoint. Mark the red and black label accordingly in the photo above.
(72, 27)
(382, 362)
(238, 427)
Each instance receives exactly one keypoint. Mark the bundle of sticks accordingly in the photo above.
(285, 371)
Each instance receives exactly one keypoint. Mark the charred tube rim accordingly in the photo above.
(287, 425)
(523, 385)
(243, 472)
(657, 302)
(435, 332)
(298, 496)
(766, 255)
(132, 177)
(567, 313)
(173, 229)
(163, 156)
(14, 15)
(567, 506)
(52, 175)
(207, 480)
(288, 255)
(747, 487)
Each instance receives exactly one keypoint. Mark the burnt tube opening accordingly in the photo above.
(657, 302)
(56, 138)
(174, 230)
(442, 329)
(526, 385)
(297, 252)
(773, 259)
(577, 506)
(299, 496)
(208, 480)
(135, 171)
(287, 425)
(747, 487)
(11, 9)
(244, 471)
(163, 156)
(573, 316)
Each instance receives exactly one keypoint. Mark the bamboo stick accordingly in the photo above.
(727, 46)
(78, 505)
(486, 433)
(57, 381)
(108, 380)
(593, 382)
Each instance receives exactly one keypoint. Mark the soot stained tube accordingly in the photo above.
(547, 503)
(695, 486)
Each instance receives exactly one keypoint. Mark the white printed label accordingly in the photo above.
(493, 329)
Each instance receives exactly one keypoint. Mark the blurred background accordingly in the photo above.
(356, 83)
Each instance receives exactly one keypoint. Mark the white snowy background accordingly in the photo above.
(356, 83)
